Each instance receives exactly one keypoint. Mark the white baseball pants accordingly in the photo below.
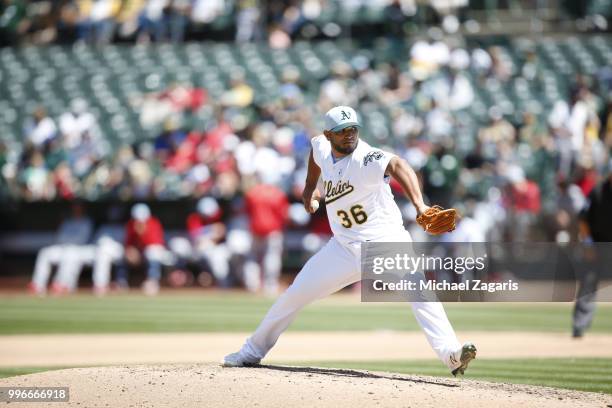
(329, 270)
(267, 257)
(65, 256)
(108, 252)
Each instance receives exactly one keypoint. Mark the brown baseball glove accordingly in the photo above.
(436, 220)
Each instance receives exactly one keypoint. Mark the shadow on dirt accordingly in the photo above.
(338, 372)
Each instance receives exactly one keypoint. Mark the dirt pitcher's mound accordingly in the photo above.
(283, 386)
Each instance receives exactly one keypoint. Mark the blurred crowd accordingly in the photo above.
(516, 172)
(519, 176)
(277, 22)
(104, 21)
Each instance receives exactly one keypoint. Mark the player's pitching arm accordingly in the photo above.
(407, 178)
(311, 193)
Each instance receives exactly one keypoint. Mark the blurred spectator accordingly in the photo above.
(396, 15)
(98, 20)
(71, 234)
(260, 157)
(292, 19)
(607, 126)
(14, 21)
(40, 129)
(239, 94)
(127, 19)
(481, 62)
(438, 122)
(267, 208)
(65, 184)
(531, 128)
(36, 179)
(153, 20)
(6, 169)
(501, 66)
(427, 58)
(338, 88)
(441, 171)
(453, 91)
(248, 21)
(278, 38)
(523, 202)
(168, 142)
(206, 11)
(144, 245)
(498, 131)
(398, 86)
(76, 123)
(168, 105)
(178, 19)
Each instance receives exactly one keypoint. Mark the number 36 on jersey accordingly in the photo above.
(355, 215)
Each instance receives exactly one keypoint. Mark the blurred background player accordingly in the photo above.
(73, 232)
(267, 208)
(109, 250)
(596, 227)
(105, 250)
(144, 246)
(205, 246)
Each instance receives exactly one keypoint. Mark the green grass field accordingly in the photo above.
(231, 312)
(237, 312)
(584, 374)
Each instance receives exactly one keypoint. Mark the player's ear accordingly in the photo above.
(327, 134)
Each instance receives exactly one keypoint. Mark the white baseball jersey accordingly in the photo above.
(360, 205)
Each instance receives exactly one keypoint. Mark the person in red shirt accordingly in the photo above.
(267, 207)
(523, 202)
(144, 244)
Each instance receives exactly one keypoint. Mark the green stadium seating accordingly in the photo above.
(108, 77)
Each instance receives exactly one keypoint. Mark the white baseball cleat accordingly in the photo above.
(238, 360)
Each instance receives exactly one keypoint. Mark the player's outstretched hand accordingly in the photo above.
(437, 220)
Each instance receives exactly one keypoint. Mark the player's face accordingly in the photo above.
(344, 141)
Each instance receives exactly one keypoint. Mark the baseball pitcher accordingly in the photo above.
(360, 207)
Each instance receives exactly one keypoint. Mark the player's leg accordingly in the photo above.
(584, 307)
(328, 271)
(218, 257)
(438, 330)
(46, 257)
(272, 262)
(108, 252)
(70, 266)
(441, 336)
(432, 318)
(251, 269)
(155, 256)
(87, 257)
